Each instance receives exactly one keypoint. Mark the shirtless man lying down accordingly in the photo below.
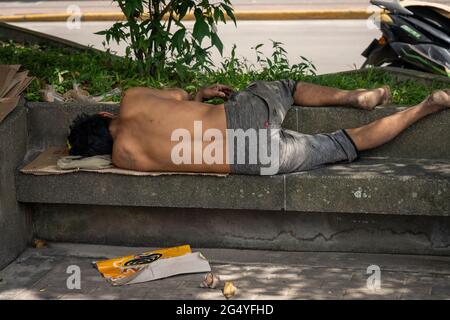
(167, 130)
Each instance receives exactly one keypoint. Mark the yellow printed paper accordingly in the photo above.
(129, 266)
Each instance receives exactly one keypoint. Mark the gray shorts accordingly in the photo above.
(261, 108)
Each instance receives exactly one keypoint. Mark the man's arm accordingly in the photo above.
(172, 94)
(215, 91)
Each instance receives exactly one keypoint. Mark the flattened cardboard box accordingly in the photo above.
(152, 265)
(12, 84)
(46, 164)
(6, 106)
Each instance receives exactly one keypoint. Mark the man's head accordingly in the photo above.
(89, 135)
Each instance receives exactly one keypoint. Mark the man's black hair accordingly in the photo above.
(89, 136)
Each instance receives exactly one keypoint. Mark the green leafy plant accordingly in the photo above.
(99, 72)
(155, 32)
(277, 66)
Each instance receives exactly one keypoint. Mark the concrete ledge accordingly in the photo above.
(244, 229)
(425, 139)
(389, 186)
(410, 175)
(388, 204)
(49, 123)
(15, 222)
(180, 191)
(377, 185)
(401, 74)
(9, 32)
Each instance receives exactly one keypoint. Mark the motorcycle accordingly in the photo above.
(415, 35)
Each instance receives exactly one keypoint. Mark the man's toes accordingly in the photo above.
(435, 95)
(440, 98)
(387, 96)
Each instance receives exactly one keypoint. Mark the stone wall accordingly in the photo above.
(15, 222)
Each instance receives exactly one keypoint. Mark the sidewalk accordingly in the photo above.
(41, 7)
(42, 274)
(244, 10)
(92, 10)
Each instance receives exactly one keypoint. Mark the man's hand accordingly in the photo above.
(215, 91)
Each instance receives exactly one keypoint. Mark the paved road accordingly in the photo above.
(332, 45)
(30, 6)
(42, 274)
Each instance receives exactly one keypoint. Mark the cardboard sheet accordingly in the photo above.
(123, 270)
(152, 265)
(7, 74)
(12, 83)
(162, 268)
(6, 106)
(45, 164)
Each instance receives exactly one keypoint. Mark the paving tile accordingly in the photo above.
(38, 276)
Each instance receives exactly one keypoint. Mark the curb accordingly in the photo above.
(22, 35)
(240, 15)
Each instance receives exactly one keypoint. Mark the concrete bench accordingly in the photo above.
(48, 126)
(394, 199)
(411, 175)
(384, 186)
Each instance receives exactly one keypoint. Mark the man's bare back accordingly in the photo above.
(142, 132)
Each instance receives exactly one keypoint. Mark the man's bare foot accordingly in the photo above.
(438, 100)
(369, 99)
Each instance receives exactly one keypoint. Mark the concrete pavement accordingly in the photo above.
(244, 10)
(42, 274)
(31, 6)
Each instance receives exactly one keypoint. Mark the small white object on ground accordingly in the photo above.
(211, 281)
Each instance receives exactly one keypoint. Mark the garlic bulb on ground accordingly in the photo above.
(211, 281)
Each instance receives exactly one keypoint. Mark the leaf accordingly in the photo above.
(216, 14)
(128, 9)
(201, 28)
(230, 12)
(222, 16)
(215, 41)
(177, 39)
(258, 46)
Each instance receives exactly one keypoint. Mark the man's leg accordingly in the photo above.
(385, 129)
(312, 95)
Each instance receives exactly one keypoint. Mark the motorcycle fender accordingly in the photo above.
(372, 46)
